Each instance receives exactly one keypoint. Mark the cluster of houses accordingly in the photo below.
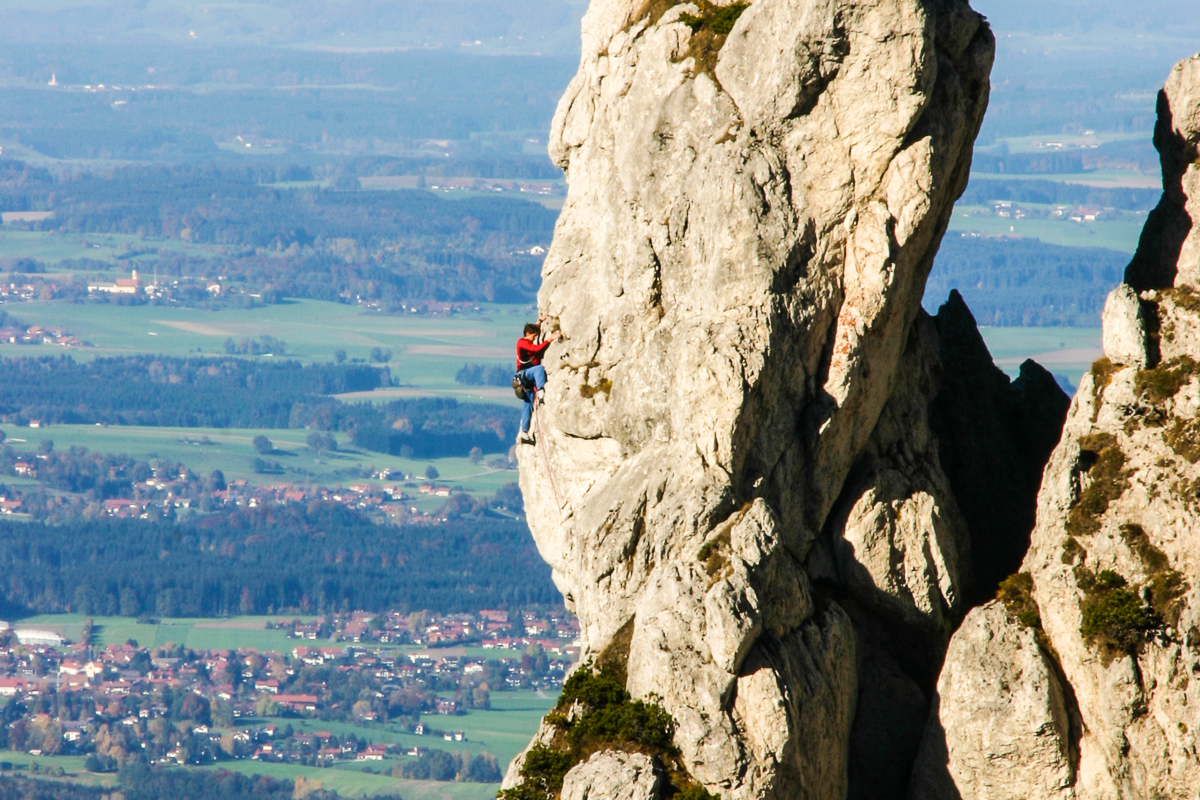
(554, 631)
(38, 334)
(134, 286)
(187, 706)
(24, 292)
(1007, 209)
(390, 500)
(537, 188)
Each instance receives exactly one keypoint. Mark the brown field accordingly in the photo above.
(491, 393)
(1070, 355)
(195, 327)
(459, 351)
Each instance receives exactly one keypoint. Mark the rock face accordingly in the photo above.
(613, 776)
(737, 465)
(1113, 568)
(1011, 737)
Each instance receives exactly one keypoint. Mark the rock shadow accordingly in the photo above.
(1155, 263)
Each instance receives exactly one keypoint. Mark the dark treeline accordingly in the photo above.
(1137, 154)
(19, 787)
(171, 391)
(457, 167)
(137, 781)
(1024, 281)
(982, 191)
(140, 782)
(484, 375)
(242, 393)
(230, 205)
(267, 561)
(324, 244)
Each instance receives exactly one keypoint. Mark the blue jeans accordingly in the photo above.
(538, 376)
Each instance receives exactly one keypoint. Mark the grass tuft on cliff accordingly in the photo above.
(710, 26)
(1103, 462)
(1114, 617)
(594, 713)
(1016, 593)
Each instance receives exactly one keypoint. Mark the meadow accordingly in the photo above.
(1065, 351)
(232, 633)
(231, 450)
(426, 349)
(503, 731)
(1113, 234)
(196, 633)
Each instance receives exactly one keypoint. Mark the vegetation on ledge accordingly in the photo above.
(594, 713)
(710, 26)
(1103, 463)
(1114, 618)
(1164, 585)
(1016, 593)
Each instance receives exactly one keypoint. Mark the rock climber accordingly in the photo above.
(530, 371)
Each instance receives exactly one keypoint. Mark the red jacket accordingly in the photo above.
(529, 354)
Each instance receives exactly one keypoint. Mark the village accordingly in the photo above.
(386, 497)
(361, 673)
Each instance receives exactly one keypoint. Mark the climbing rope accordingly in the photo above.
(537, 418)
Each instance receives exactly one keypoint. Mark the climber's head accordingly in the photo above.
(532, 330)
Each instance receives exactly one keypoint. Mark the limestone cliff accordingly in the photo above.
(1083, 681)
(736, 468)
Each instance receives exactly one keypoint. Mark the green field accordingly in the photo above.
(351, 781)
(1116, 234)
(503, 731)
(206, 633)
(1038, 144)
(427, 350)
(231, 450)
(1066, 351)
(196, 633)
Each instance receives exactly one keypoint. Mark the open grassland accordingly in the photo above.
(232, 633)
(206, 633)
(1100, 178)
(1063, 351)
(427, 350)
(351, 780)
(502, 731)
(121, 251)
(1043, 143)
(196, 633)
(232, 451)
(1116, 234)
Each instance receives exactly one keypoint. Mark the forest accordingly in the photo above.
(242, 393)
(139, 782)
(165, 390)
(326, 244)
(266, 561)
(1024, 281)
(983, 191)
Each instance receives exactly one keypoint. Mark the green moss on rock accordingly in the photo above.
(1114, 618)
(1164, 585)
(594, 713)
(1016, 593)
(1164, 381)
(1103, 462)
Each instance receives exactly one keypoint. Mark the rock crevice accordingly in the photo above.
(1113, 558)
